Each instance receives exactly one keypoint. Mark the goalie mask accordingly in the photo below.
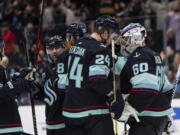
(132, 37)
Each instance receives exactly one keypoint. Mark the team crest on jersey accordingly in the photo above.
(136, 55)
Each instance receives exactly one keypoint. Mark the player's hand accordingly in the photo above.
(18, 86)
(127, 112)
(24, 73)
(117, 104)
(116, 109)
(170, 127)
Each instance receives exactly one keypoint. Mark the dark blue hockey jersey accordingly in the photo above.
(54, 95)
(142, 75)
(89, 79)
(10, 121)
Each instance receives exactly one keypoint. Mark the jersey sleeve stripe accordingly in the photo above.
(94, 73)
(146, 86)
(85, 113)
(152, 82)
(11, 130)
(16, 124)
(98, 70)
(155, 113)
(150, 79)
(85, 108)
(55, 122)
(149, 91)
(100, 77)
(160, 108)
(55, 126)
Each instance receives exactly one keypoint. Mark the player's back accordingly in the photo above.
(79, 95)
(144, 77)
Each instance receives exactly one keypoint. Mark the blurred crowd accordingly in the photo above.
(20, 22)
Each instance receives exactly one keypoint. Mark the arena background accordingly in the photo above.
(20, 24)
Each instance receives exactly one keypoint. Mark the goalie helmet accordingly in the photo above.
(105, 21)
(132, 37)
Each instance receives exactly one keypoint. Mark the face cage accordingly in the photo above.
(125, 41)
(129, 45)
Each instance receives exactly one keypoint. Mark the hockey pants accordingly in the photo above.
(91, 125)
(56, 132)
(147, 126)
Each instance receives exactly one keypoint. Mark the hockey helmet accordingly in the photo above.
(55, 41)
(132, 37)
(74, 29)
(105, 21)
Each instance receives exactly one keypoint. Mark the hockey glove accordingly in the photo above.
(127, 112)
(24, 73)
(116, 109)
(170, 127)
(18, 86)
(117, 106)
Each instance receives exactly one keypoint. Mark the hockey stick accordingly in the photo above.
(24, 41)
(114, 85)
(39, 32)
(31, 95)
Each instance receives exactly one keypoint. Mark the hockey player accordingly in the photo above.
(143, 80)
(10, 122)
(85, 110)
(74, 32)
(54, 95)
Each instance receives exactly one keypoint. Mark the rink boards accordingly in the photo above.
(26, 117)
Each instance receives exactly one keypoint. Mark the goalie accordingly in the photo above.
(143, 81)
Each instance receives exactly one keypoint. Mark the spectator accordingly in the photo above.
(106, 7)
(9, 39)
(70, 13)
(48, 19)
(174, 23)
(16, 58)
(161, 10)
(135, 9)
